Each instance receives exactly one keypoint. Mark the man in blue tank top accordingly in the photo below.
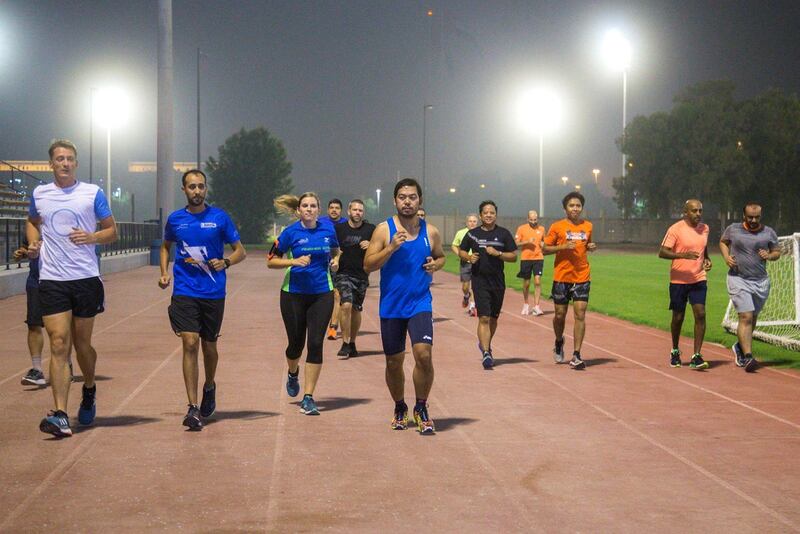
(408, 251)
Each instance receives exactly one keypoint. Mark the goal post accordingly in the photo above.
(779, 321)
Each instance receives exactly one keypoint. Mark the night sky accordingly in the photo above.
(343, 84)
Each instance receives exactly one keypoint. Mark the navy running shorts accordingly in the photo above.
(563, 292)
(465, 271)
(680, 293)
(393, 332)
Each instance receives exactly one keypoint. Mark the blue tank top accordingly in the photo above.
(405, 285)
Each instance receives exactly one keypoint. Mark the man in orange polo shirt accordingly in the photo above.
(570, 239)
(529, 238)
(686, 245)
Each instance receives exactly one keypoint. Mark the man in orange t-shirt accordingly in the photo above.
(570, 239)
(686, 245)
(529, 238)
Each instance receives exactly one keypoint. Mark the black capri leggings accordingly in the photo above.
(303, 313)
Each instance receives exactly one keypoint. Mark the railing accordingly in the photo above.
(20, 181)
(131, 237)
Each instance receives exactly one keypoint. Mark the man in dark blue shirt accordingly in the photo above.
(334, 218)
(198, 300)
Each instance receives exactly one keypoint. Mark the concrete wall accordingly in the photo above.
(12, 282)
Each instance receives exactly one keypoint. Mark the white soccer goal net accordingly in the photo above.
(779, 321)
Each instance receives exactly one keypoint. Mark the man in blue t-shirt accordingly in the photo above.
(198, 299)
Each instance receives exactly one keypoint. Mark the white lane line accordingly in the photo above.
(711, 476)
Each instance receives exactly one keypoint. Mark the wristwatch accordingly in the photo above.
(227, 262)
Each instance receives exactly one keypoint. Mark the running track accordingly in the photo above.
(627, 445)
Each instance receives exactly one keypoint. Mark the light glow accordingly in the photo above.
(538, 110)
(617, 51)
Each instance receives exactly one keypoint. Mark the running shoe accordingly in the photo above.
(56, 423)
(353, 350)
(473, 311)
(576, 362)
(293, 384)
(526, 310)
(558, 351)
(209, 402)
(698, 362)
(308, 406)
(332, 332)
(465, 301)
(344, 352)
(488, 361)
(400, 419)
(192, 419)
(87, 408)
(537, 311)
(675, 358)
(750, 363)
(34, 377)
(424, 423)
(738, 354)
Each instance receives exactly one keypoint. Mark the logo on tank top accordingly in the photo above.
(208, 225)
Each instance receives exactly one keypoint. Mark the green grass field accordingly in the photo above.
(634, 286)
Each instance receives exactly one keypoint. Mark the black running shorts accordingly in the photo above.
(563, 292)
(84, 298)
(201, 316)
(488, 297)
(351, 289)
(34, 316)
(528, 268)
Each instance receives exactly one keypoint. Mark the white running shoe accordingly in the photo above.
(537, 311)
(526, 310)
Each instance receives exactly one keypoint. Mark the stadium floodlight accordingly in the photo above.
(378, 199)
(596, 173)
(539, 112)
(617, 53)
(110, 109)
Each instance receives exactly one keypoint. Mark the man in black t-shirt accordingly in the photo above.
(351, 280)
(491, 245)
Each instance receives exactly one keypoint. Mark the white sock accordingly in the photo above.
(36, 361)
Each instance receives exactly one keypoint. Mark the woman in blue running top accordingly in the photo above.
(308, 251)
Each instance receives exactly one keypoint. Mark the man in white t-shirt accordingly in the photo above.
(62, 232)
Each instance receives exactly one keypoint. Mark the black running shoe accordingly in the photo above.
(344, 352)
(353, 351)
(576, 362)
(209, 402)
(738, 354)
(675, 358)
(34, 377)
(750, 363)
(488, 361)
(697, 362)
(87, 410)
(192, 419)
(558, 351)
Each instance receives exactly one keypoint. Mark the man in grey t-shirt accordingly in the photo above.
(746, 247)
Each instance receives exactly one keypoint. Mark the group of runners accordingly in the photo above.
(327, 261)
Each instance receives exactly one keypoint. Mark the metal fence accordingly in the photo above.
(18, 180)
(131, 237)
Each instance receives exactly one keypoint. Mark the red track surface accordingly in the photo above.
(629, 444)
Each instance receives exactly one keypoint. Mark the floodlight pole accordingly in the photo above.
(624, 122)
(541, 174)
(108, 164)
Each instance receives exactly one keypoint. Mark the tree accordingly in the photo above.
(251, 171)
